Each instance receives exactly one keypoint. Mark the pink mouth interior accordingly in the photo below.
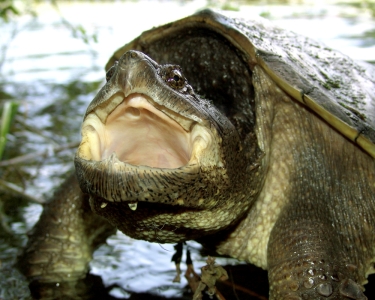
(140, 134)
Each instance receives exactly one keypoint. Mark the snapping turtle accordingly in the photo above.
(276, 168)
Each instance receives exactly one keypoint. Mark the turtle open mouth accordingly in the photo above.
(139, 134)
(140, 153)
(147, 137)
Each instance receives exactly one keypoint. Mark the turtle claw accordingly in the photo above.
(351, 290)
(316, 279)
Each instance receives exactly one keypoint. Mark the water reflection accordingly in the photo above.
(54, 77)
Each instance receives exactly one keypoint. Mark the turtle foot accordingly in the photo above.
(308, 279)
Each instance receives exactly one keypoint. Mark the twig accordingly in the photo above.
(210, 274)
(244, 290)
(43, 153)
(39, 132)
(16, 189)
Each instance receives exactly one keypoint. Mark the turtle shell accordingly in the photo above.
(338, 89)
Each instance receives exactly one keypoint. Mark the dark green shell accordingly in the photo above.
(337, 88)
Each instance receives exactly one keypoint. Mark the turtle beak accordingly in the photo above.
(135, 122)
(134, 131)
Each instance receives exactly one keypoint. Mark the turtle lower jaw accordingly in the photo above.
(112, 180)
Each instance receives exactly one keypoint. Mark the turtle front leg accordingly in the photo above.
(306, 259)
(61, 244)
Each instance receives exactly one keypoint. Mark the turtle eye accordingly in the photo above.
(175, 79)
(172, 75)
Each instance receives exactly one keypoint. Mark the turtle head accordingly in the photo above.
(151, 146)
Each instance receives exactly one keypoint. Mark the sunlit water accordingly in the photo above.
(55, 76)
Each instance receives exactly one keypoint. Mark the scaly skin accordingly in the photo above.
(279, 188)
(310, 227)
(321, 244)
(62, 242)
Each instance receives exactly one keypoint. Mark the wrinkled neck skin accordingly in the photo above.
(160, 163)
(308, 191)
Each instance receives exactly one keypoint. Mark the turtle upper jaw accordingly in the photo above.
(142, 141)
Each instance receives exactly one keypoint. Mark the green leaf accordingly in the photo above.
(6, 8)
(7, 116)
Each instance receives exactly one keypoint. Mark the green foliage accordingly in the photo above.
(7, 10)
(78, 31)
(230, 6)
(7, 116)
(367, 5)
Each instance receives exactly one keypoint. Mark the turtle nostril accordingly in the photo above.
(132, 112)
